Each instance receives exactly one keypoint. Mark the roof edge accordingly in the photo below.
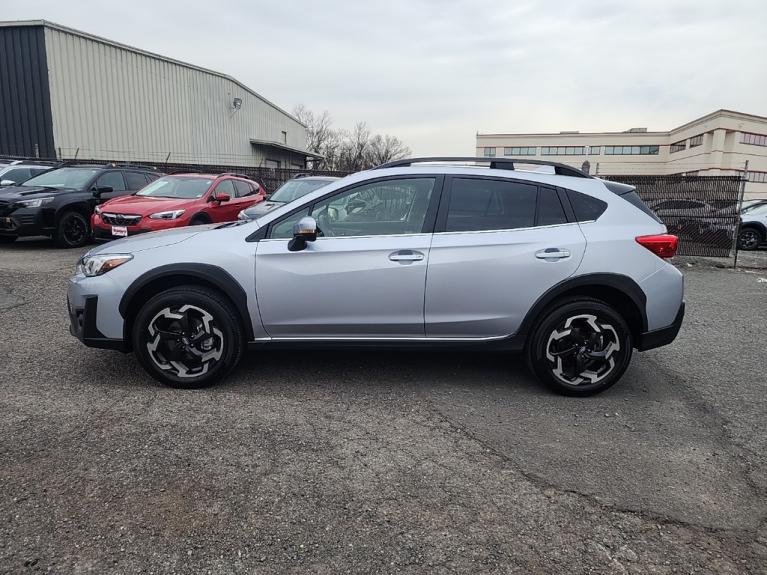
(101, 39)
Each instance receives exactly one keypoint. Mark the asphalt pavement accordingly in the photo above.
(381, 461)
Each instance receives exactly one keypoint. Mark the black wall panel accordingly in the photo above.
(25, 103)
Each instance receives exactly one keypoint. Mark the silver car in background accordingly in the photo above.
(568, 269)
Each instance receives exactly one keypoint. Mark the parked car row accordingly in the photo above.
(76, 203)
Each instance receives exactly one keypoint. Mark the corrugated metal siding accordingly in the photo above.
(25, 106)
(111, 103)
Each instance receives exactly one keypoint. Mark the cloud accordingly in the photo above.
(436, 72)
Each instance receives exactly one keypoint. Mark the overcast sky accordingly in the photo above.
(436, 72)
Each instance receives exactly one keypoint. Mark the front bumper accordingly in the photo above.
(25, 222)
(82, 325)
(662, 336)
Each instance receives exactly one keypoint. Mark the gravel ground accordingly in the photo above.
(381, 462)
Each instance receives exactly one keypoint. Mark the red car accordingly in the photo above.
(176, 201)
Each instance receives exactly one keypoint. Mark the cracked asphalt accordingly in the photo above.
(381, 461)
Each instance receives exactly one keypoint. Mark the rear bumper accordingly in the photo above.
(82, 325)
(662, 336)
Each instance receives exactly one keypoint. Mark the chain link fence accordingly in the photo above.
(702, 210)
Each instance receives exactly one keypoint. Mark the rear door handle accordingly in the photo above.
(552, 254)
(406, 256)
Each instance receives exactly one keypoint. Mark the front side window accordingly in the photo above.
(177, 187)
(112, 180)
(225, 187)
(479, 204)
(387, 207)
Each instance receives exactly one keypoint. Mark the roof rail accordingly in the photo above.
(496, 164)
(236, 175)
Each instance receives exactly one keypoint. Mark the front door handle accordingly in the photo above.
(406, 256)
(552, 254)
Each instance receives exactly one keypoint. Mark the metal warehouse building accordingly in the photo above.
(67, 94)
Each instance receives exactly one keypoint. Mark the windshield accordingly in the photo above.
(176, 187)
(63, 178)
(759, 210)
(295, 189)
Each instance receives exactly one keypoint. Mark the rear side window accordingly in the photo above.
(585, 207)
(550, 211)
(634, 199)
(243, 188)
(135, 180)
(479, 204)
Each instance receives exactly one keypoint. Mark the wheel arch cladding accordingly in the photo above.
(618, 291)
(175, 275)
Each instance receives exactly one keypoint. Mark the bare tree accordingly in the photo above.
(386, 148)
(349, 151)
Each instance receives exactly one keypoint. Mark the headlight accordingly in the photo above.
(242, 216)
(171, 215)
(36, 203)
(101, 263)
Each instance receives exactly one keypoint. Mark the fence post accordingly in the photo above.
(740, 206)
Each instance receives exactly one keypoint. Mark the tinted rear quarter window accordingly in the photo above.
(585, 207)
(243, 188)
(480, 204)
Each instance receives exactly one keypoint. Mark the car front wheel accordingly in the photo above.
(72, 231)
(749, 239)
(188, 337)
(581, 347)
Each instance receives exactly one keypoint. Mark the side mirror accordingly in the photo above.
(222, 198)
(304, 230)
(102, 190)
(7, 183)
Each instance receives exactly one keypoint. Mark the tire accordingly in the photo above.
(72, 231)
(200, 220)
(213, 337)
(8, 239)
(580, 326)
(749, 239)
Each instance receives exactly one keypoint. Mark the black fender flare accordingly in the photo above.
(619, 282)
(211, 274)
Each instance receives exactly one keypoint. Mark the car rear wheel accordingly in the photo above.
(581, 347)
(749, 239)
(188, 337)
(72, 231)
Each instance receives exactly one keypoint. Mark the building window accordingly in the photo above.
(753, 139)
(563, 150)
(758, 177)
(490, 152)
(594, 150)
(678, 146)
(632, 150)
(696, 141)
(520, 151)
(284, 137)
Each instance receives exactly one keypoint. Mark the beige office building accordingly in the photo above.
(719, 143)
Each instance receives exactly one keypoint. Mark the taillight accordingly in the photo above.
(663, 245)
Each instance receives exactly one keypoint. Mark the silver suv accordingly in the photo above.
(569, 269)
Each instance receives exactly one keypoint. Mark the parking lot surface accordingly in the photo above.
(381, 461)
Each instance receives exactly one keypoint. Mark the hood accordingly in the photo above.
(30, 192)
(262, 208)
(150, 240)
(144, 205)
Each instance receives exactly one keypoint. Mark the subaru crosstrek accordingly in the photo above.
(567, 268)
